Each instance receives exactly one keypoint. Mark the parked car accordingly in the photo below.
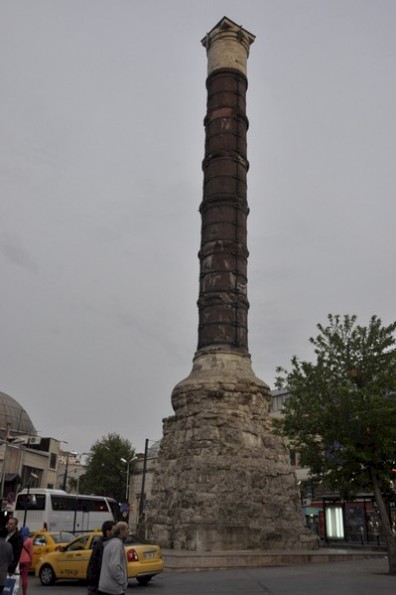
(45, 542)
(71, 561)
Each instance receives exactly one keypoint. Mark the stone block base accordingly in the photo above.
(223, 479)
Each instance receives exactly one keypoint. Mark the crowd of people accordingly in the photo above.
(107, 572)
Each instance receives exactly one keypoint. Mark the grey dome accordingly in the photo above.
(14, 416)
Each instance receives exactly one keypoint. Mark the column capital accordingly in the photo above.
(227, 46)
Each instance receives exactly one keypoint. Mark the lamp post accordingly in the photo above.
(140, 528)
(7, 445)
(27, 501)
(3, 471)
(77, 491)
(65, 474)
(128, 463)
(3, 474)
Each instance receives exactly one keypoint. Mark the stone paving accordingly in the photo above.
(182, 560)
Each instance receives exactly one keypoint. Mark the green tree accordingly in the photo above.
(341, 413)
(106, 474)
(73, 484)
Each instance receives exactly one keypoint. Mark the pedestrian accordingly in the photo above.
(14, 538)
(95, 561)
(26, 558)
(114, 572)
(6, 557)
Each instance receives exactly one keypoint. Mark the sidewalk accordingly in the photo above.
(185, 561)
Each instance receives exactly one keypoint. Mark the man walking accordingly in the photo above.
(15, 540)
(95, 561)
(114, 572)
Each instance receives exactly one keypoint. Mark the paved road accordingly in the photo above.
(362, 577)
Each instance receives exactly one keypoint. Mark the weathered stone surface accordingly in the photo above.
(223, 480)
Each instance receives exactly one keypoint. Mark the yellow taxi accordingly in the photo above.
(45, 542)
(71, 561)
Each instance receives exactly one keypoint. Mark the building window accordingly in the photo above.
(334, 522)
(31, 477)
(279, 399)
(293, 457)
(53, 460)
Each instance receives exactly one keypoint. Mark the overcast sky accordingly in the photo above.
(101, 142)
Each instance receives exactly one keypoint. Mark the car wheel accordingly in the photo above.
(47, 575)
(143, 580)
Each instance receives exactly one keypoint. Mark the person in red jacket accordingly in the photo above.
(26, 558)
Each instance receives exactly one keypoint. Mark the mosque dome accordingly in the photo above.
(14, 417)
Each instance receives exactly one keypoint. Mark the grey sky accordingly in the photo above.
(101, 143)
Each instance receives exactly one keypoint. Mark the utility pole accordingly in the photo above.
(140, 530)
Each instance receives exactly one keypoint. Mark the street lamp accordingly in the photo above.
(7, 445)
(140, 527)
(3, 473)
(27, 501)
(128, 463)
(79, 454)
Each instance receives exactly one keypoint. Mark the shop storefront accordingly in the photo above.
(354, 522)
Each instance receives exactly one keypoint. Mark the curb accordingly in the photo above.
(186, 561)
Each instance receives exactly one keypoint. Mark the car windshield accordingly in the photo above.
(62, 537)
(78, 544)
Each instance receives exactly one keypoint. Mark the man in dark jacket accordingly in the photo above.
(6, 557)
(16, 541)
(95, 562)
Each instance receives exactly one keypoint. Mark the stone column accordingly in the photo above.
(223, 303)
(223, 480)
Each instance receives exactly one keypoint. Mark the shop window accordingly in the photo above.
(334, 522)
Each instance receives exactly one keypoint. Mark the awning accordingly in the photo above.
(12, 478)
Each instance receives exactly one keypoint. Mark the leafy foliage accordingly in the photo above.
(341, 413)
(106, 474)
(73, 484)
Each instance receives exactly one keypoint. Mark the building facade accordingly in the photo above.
(26, 459)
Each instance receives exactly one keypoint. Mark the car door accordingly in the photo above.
(40, 547)
(73, 560)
